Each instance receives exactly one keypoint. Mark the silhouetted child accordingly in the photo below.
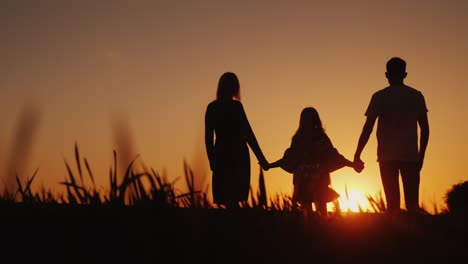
(311, 158)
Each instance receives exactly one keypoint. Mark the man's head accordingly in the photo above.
(396, 70)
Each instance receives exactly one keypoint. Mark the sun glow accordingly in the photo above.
(354, 201)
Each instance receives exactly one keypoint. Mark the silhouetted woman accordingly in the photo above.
(311, 157)
(227, 137)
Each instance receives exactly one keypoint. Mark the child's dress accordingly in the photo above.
(311, 159)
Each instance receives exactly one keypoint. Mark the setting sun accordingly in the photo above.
(354, 201)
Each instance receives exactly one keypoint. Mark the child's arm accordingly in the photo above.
(348, 163)
(337, 161)
(276, 164)
(288, 162)
(357, 166)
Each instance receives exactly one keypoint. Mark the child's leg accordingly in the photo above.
(306, 211)
(321, 208)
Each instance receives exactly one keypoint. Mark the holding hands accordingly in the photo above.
(264, 164)
(358, 164)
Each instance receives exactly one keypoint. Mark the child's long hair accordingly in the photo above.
(309, 123)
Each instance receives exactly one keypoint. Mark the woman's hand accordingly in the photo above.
(264, 164)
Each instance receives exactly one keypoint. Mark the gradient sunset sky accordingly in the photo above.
(136, 76)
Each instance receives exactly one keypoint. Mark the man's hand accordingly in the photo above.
(358, 165)
(420, 163)
(212, 166)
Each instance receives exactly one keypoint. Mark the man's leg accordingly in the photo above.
(410, 177)
(389, 174)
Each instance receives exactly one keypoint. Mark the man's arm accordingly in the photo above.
(365, 134)
(424, 126)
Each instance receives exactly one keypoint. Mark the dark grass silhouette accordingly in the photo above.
(87, 225)
(457, 199)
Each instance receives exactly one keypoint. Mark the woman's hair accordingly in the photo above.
(309, 122)
(228, 86)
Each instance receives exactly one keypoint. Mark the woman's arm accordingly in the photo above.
(252, 140)
(209, 138)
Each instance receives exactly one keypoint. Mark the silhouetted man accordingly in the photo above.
(400, 109)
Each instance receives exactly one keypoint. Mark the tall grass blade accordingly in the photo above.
(78, 163)
(20, 187)
(73, 184)
(90, 173)
(262, 196)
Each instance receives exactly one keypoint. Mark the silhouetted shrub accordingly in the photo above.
(457, 199)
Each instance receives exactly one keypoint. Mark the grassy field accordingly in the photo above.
(141, 219)
(146, 234)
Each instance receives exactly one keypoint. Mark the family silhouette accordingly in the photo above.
(311, 157)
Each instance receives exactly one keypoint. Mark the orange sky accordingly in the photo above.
(154, 65)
